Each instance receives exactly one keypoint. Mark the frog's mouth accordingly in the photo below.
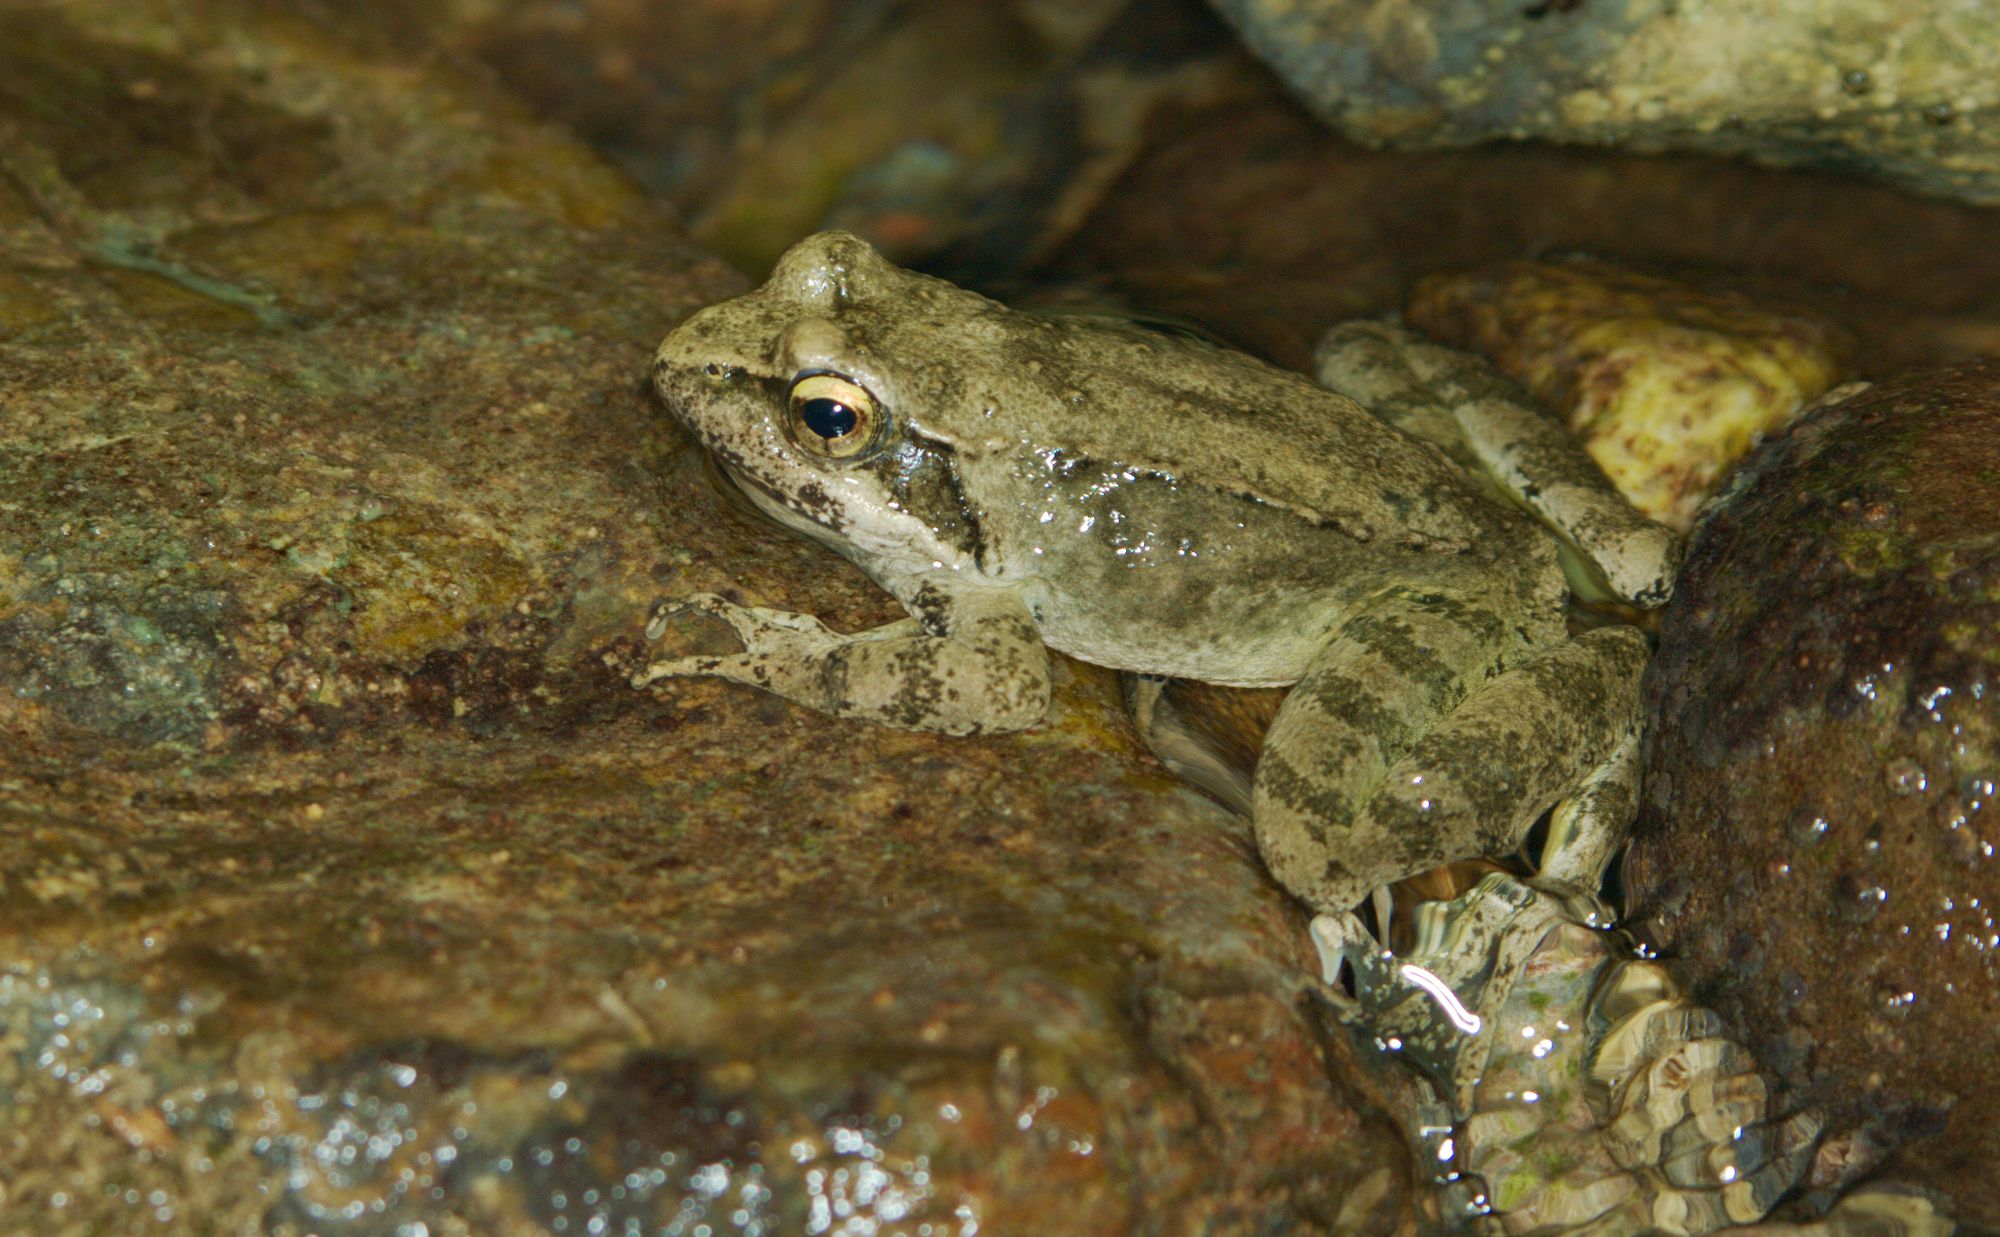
(732, 487)
(748, 496)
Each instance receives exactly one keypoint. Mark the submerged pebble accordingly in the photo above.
(1577, 1086)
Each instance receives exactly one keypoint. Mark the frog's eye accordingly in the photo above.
(834, 416)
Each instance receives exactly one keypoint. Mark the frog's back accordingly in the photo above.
(1222, 420)
(972, 377)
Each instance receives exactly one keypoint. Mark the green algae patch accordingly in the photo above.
(561, 182)
(168, 302)
(311, 255)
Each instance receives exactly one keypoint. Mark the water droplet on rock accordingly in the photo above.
(1906, 776)
(1807, 827)
(1859, 901)
(1895, 1000)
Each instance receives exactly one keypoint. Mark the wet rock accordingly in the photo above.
(967, 132)
(1818, 831)
(345, 887)
(1245, 214)
(1895, 89)
(1138, 153)
(1667, 385)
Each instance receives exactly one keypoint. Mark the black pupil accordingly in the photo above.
(829, 418)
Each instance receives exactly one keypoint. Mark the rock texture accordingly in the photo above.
(975, 132)
(1819, 824)
(1135, 150)
(1901, 88)
(345, 887)
(1245, 214)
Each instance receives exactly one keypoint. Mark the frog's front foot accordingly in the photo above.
(987, 671)
(1428, 730)
(770, 638)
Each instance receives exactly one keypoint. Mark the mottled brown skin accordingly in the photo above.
(1823, 742)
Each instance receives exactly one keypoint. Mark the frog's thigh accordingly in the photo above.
(1383, 680)
(1518, 746)
(1553, 726)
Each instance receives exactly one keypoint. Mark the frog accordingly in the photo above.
(1389, 543)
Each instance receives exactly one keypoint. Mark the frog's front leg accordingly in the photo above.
(975, 663)
(1426, 731)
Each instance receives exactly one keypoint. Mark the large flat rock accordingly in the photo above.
(348, 888)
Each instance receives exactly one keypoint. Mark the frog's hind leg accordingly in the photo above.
(1559, 731)
(1383, 679)
(1402, 749)
(1490, 426)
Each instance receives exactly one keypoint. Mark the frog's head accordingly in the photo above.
(826, 394)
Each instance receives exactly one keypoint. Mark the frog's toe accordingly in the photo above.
(1343, 943)
(760, 630)
(1587, 829)
(751, 621)
(1352, 963)
(694, 603)
(737, 666)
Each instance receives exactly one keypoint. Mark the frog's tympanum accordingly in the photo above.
(1162, 505)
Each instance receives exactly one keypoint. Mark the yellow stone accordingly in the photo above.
(1667, 385)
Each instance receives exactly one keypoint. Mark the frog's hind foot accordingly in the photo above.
(1350, 959)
